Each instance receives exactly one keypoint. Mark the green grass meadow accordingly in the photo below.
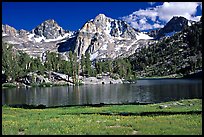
(88, 120)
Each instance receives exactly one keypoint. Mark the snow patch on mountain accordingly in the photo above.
(108, 29)
(189, 23)
(118, 47)
(143, 36)
(104, 47)
(38, 39)
(31, 36)
(66, 35)
(13, 42)
(4, 34)
(94, 56)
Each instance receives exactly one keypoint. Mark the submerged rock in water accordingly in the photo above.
(102, 80)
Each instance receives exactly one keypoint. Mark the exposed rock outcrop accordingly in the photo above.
(8, 30)
(41, 39)
(104, 37)
(49, 29)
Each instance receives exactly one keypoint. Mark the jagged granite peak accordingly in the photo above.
(104, 33)
(102, 37)
(49, 29)
(8, 30)
(113, 27)
(177, 23)
(23, 32)
(41, 39)
(100, 16)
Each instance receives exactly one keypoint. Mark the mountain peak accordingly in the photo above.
(100, 15)
(49, 29)
(8, 30)
(177, 17)
(175, 24)
(50, 21)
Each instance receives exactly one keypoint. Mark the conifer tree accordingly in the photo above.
(88, 70)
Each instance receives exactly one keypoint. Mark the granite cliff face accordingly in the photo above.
(49, 29)
(37, 41)
(104, 37)
(8, 30)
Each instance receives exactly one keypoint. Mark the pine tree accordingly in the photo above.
(110, 67)
(75, 68)
(10, 62)
(48, 64)
(98, 67)
(88, 70)
(82, 64)
(71, 63)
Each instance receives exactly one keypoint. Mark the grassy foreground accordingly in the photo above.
(106, 120)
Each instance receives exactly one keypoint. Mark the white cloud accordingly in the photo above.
(149, 13)
(146, 26)
(162, 13)
(170, 9)
(197, 18)
(143, 20)
(134, 25)
(156, 25)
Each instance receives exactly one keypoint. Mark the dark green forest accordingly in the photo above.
(16, 64)
(180, 54)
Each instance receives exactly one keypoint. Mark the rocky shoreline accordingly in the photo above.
(102, 80)
(49, 79)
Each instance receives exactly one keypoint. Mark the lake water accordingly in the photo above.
(144, 91)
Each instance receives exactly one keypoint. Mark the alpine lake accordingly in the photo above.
(143, 91)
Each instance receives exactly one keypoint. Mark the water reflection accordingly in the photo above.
(144, 91)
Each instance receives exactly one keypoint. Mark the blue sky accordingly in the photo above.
(73, 15)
